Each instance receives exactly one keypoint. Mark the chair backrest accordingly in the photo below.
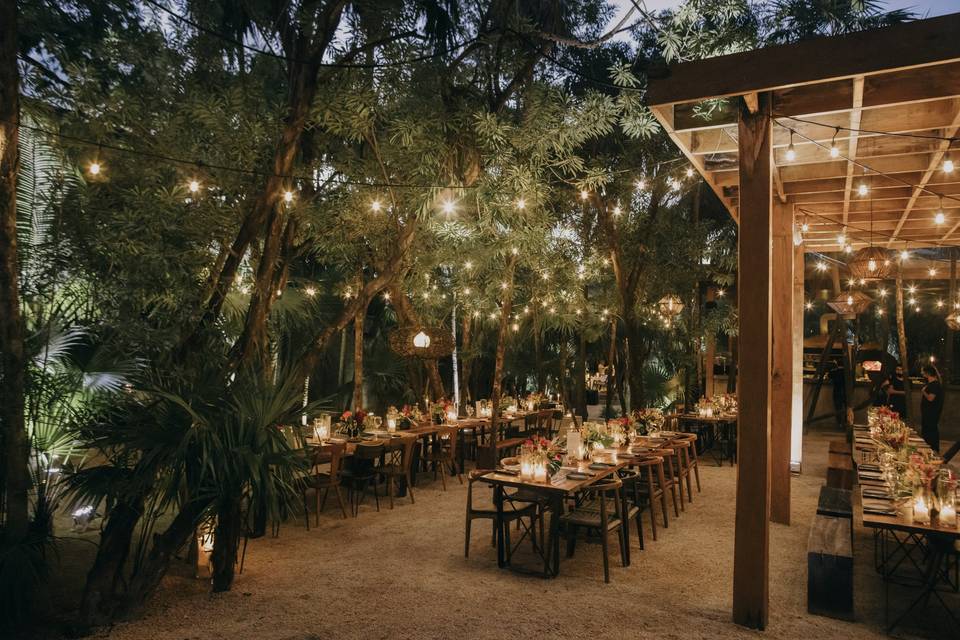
(337, 449)
(603, 490)
(368, 451)
(452, 434)
(631, 483)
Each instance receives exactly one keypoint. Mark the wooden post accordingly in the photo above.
(951, 301)
(781, 372)
(902, 341)
(358, 359)
(799, 300)
(752, 540)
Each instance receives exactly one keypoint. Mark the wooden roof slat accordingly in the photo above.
(855, 117)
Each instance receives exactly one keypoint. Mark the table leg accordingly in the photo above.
(556, 509)
(498, 501)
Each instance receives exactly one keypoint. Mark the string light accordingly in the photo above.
(288, 196)
(641, 184)
(821, 266)
(375, 206)
(791, 152)
(932, 271)
(448, 207)
(808, 305)
(947, 164)
(940, 217)
(912, 289)
(863, 189)
(468, 265)
(584, 194)
(904, 255)
(842, 239)
(94, 168)
(848, 249)
(617, 211)
(939, 304)
(521, 204)
(310, 291)
(193, 186)
(805, 227)
(882, 292)
(834, 149)
(689, 172)
(386, 296)
(721, 292)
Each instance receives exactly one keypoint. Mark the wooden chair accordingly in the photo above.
(632, 506)
(443, 454)
(684, 472)
(652, 467)
(691, 461)
(600, 510)
(512, 511)
(672, 479)
(324, 481)
(398, 466)
(361, 472)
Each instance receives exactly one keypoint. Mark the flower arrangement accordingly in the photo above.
(647, 420)
(596, 436)
(540, 453)
(888, 430)
(726, 403)
(440, 409)
(532, 403)
(410, 416)
(351, 423)
(508, 404)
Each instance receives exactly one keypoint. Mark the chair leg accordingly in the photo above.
(323, 504)
(443, 476)
(571, 540)
(376, 495)
(410, 488)
(306, 510)
(317, 516)
(389, 489)
(606, 559)
(466, 538)
(640, 528)
(243, 554)
(653, 511)
(340, 500)
(696, 473)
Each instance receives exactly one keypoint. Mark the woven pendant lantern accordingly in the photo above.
(421, 342)
(850, 304)
(870, 263)
(953, 321)
(670, 306)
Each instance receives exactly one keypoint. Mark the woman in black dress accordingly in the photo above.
(931, 406)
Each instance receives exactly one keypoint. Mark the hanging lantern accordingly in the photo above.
(869, 263)
(953, 321)
(851, 303)
(670, 306)
(422, 342)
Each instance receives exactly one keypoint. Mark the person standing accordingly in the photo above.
(931, 406)
(838, 380)
(896, 392)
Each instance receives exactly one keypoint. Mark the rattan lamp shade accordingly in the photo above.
(869, 263)
(437, 342)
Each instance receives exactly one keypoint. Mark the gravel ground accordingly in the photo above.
(401, 574)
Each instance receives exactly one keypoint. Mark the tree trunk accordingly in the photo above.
(14, 448)
(902, 341)
(100, 597)
(505, 310)
(343, 357)
(538, 351)
(165, 545)
(358, 359)
(612, 355)
(465, 359)
(581, 373)
(225, 542)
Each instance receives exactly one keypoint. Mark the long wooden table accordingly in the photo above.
(552, 492)
(723, 429)
(927, 549)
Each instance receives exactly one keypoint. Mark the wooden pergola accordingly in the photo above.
(735, 117)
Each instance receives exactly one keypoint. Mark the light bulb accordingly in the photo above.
(805, 227)
(689, 172)
(947, 165)
(842, 239)
(791, 153)
(194, 186)
(808, 305)
(448, 207)
(310, 291)
(871, 265)
(721, 292)
(468, 265)
(521, 204)
(584, 194)
(912, 289)
(375, 206)
(940, 218)
(882, 293)
(932, 271)
(850, 300)
(848, 249)
(879, 312)
(94, 168)
(904, 254)
(834, 151)
(821, 266)
(616, 210)
(939, 304)
(641, 184)
(515, 327)
(862, 189)
(288, 196)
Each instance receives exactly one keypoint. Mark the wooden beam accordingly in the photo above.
(799, 298)
(934, 166)
(750, 99)
(752, 537)
(665, 117)
(781, 371)
(904, 46)
(855, 114)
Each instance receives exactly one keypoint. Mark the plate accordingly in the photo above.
(576, 475)
(599, 466)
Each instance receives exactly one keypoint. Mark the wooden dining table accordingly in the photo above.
(552, 492)
(900, 542)
(723, 429)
